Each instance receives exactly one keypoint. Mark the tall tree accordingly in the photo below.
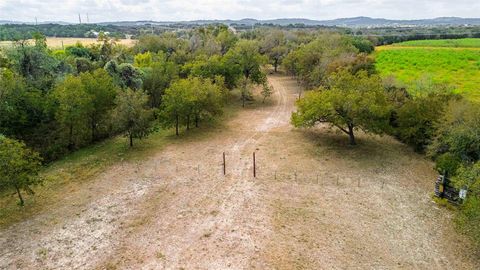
(132, 114)
(245, 57)
(274, 45)
(101, 90)
(191, 99)
(352, 102)
(74, 103)
(19, 167)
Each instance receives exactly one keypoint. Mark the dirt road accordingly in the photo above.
(316, 204)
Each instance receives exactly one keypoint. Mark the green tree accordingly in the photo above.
(245, 57)
(101, 91)
(468, 218)
(191, 98)
(267, 91)
(458, 131)
(132, 114)
(158, 77)
(74, 104)
(274, 45)
(352, 102)
(19, 167)
(310, 63)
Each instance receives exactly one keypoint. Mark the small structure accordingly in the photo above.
(444, 190)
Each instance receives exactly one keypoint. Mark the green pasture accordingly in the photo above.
(459, 68)
(454, 43)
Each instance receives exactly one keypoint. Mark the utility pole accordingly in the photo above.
(79, 19)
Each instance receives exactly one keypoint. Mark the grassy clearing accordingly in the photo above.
(457, 67)
(75, 170)
(459, 43)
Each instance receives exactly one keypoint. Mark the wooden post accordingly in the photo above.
(254, 166)
(224, 165)
(275, 175)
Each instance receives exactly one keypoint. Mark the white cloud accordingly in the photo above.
(162, 10)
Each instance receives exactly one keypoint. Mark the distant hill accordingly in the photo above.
(344, 22)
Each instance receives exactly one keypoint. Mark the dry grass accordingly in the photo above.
(58, 42)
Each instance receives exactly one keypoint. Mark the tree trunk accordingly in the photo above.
(188, 122)
(176, 125)
(131, 139)
(22, 203)
(196, 121)
(93, 129)
(70, 138)
(351, 135)
(275, 65)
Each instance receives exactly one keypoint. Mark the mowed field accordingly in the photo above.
(455, 62)
(56, 43)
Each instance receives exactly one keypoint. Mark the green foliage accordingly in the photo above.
(211, 67)
(267, 91)
(246, 58)
(18, 104)
(310, 63)
(417, 119)
(167, 43)
(274, 45)
(101, 91)
(35, 64)
(363, 45)
(132, 114)
(125, 75)
(352, 102)
(19, 167)
(468, 217)
(143, 60)
(158, 74)
(447, 164)
(459, 132)
(73, 105)
(191, 99)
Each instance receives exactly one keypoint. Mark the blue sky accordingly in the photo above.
(160, 10)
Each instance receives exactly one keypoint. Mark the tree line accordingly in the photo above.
(53, 102)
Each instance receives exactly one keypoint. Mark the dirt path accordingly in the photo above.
(316, 204)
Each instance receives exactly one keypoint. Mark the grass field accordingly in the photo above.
(457, 66)
(57, 43)
(460, 43)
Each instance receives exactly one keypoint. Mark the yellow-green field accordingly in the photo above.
(56, 43)
(454, 65)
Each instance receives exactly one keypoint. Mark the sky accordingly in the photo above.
(179, 10)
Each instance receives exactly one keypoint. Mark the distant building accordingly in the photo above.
(95, 34)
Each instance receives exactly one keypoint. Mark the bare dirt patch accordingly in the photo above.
(316, 204)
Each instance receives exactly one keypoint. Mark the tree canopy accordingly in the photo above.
(351, 102)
